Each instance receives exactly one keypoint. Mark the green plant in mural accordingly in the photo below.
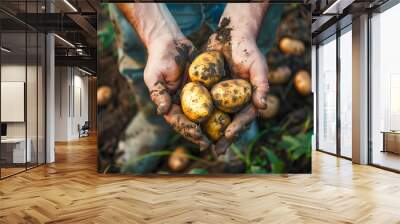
(275, 154)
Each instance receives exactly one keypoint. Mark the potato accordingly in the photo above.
(104, 95)
(291, 46)
(216, 124)
(272, 109)
(179, 159)
(207, 68)
(196, 102)
(279, 75)
(231, 95)
(302, 82)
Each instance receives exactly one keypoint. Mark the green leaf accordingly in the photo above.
(297, 154)
(238, 153)
(275, 129)
(106, 36)
(252, 144)
(260, 161)
(198, 171)
(174, 139)
(277, 165)
(272, 141)
(151, 154)
(307, 123)
(258, 169)
(297, 146)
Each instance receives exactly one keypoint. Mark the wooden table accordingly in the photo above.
(391, 141)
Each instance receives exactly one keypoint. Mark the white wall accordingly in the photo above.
(71, 102)
(61, 103)
(16, 73)
(80, 111)
(12, 73)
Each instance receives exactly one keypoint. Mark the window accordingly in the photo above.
(346, 92)
(385, 89)
(327, 96)
(22, 78)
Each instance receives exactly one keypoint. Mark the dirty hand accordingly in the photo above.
(167, 61)
(163, 74)
(245, 61)
(236, 39)
(169, 53)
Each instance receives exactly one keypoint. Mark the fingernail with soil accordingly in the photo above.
(264, 102)
(222, 146)
(213, 152)
(229, 134)
(162, 108)
(204, 145)
(159, 111)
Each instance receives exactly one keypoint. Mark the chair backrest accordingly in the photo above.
(86, 124)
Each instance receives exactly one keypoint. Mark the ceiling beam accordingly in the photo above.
(84, 24)
(81, 61)
(320, 22)
(337, 7)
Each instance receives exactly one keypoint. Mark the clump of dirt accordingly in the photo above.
(223, 32)
(186, 53)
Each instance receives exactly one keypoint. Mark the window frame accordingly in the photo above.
(338, 33)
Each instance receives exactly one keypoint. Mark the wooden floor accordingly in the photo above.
(10, 171)
(387, 159)
(70, 191)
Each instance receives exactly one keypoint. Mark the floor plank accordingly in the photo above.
(71, 191)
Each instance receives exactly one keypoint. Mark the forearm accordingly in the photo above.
(152, 21)
(245, 18)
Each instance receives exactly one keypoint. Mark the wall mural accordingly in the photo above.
(204, 88)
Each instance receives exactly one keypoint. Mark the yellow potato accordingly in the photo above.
(207, 68)
(279, 75)
(104, 95)
(272, 109)
(179, 159)
(231, 95)
(216, 124)
(196, 102)
(302, 82)
(291, 46)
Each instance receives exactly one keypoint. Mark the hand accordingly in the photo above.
(188, 129)
(247, 62)
(166, 63)
(166, 45)
(169, 53)
(163, 74)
